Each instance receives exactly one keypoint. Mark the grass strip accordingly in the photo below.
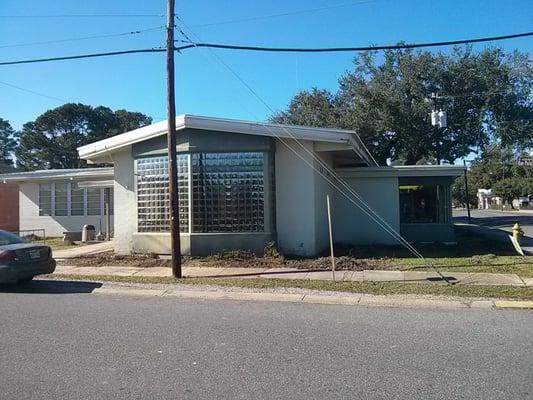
(378, 288)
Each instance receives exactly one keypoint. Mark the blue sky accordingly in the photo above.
(203, 86)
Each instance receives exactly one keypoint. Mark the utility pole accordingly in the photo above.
(466, 190)
(175, 245)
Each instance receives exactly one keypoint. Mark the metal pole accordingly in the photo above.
(466, 190)
(331, 238)
(107, 193)
(175, 246)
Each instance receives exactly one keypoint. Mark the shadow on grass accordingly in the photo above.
(50, 287)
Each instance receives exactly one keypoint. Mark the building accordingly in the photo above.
(486, 200)
(244, 184)
(63, 200)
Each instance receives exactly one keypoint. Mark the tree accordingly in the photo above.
(51, 141)
(488, 172)
(7, 143)
(512, 188)
(487, 97)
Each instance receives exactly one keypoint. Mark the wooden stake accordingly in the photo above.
(331, 239)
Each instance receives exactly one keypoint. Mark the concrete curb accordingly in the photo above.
(357, 299)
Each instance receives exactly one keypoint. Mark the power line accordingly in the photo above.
(84, 16)
(361, 48)
(285, 14)
(92, 55)
(33, 92)
(85, 38)
(277, 49)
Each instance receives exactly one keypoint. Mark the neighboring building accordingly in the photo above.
(9, 202)
(243, 184)
(61, 200)
(486, 200)
(9, 207)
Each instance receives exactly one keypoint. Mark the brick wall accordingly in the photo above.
(9, 206)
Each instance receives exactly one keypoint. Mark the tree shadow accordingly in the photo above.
(50, 287)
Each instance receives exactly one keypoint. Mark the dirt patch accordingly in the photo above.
(226, 260)
(109, 258)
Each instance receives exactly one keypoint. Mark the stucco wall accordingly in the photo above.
(54, 226)
(322, 189)
(351, 226)
(295, 200)
(125, 201)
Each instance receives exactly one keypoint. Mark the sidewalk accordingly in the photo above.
(460, 278)
(82, 250)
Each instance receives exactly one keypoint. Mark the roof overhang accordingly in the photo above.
(403, 171)
(59, 174)
(103, 148)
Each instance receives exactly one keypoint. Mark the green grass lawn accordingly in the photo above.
(471, 254)
(378, 288)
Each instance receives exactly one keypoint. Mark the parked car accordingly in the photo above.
(21, 260)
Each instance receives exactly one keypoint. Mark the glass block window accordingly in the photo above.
(45, 199)
(227, 192)
(77, 200)
(61, 199)
(153, 201)
(94, 203)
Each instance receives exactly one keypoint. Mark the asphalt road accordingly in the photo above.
(75, 345)
(498, 219)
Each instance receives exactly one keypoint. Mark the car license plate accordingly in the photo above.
(34, 254)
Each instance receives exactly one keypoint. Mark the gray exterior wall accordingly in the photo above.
(194, 140)
(295, 200)
(352, 226)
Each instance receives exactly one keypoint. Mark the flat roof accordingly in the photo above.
(56, 174)
(115, 143)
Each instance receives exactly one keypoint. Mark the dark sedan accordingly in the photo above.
(21, 260)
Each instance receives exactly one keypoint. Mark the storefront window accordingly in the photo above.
(424, 204)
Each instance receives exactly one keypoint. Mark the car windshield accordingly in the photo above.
(9, 238)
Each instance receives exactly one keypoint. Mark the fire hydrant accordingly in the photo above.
(517, 232)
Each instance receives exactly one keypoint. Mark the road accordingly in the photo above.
(70, 344)
(498, 219)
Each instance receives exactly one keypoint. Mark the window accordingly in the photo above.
(228, 192)
(45, 199)
(94, 203)
(61, 199)
(55, 197)
(153, 196)
(424, 204)
(77, 200)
